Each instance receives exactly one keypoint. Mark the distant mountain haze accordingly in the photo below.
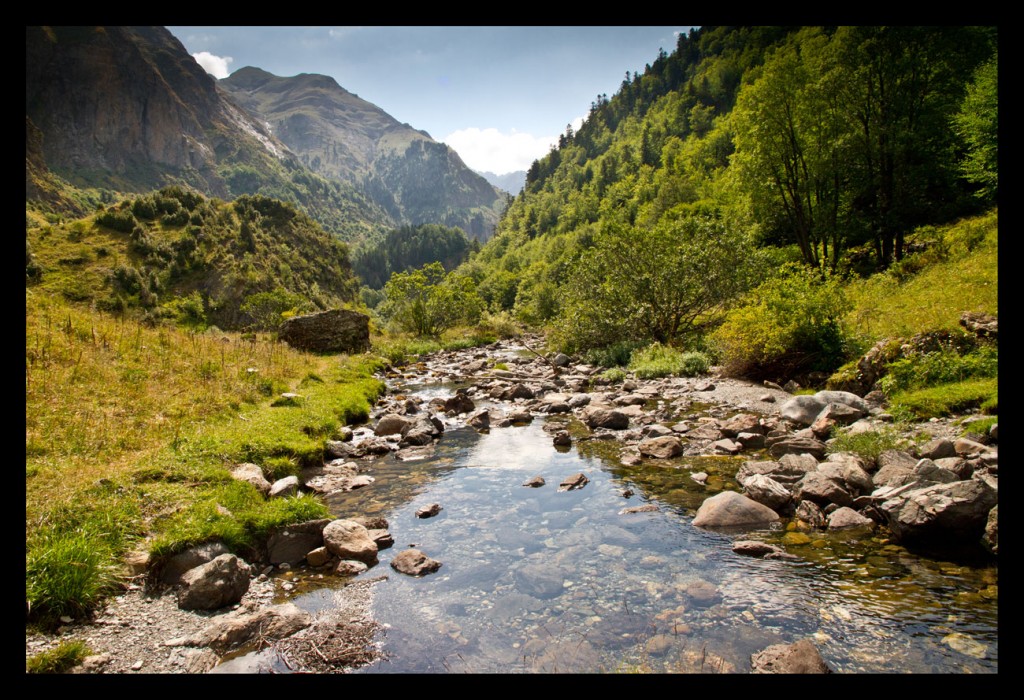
(512, 183)
(128, 109)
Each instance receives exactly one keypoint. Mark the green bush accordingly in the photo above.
(614, 375)
(790, 324)
(118, 219)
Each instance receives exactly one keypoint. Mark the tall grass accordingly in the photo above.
(963, 275)
(131, 431)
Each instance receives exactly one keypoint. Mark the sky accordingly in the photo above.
(500, 96)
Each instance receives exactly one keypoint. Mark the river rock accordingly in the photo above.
(573, 482)
(753, 548)
(392, 424)
(562, 439)
(768, 491)
(539, 580)
(991, 537)
(661, 447)
(348, 539)
(809, 515)
(215, 584)
(703, 594)
(534, 482)
(284, 487)
(336, 330)
(253, 474)
(189, 559)
(741, 423)
(603, 417)
(350, 567)
(293, 543)
(429, 511)
(645, 508)
(239, 627)
(845, 517)
(799, 657)
(818, 487)
(413, 562)
(956, 512)
(938, 448)
(798, 445)
(730, 509)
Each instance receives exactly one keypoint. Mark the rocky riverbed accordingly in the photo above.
(942, 483)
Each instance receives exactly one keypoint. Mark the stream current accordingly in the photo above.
(537, 580)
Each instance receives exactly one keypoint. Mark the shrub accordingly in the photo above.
(118, 219)
(614, 375)
(655, 283)
(790, 324)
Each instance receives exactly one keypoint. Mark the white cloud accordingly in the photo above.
(493, 151)
(216, 66)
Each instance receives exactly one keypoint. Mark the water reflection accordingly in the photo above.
(537, 580)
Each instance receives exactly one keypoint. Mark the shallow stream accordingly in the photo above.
(538, 580)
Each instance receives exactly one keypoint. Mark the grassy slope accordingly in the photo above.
(131, 432)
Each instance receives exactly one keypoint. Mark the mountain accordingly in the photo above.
(340, 136)
(117, 110)
(509, 182)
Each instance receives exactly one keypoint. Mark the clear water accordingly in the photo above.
(537, 580)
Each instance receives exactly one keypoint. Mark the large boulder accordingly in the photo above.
(220, 582)
(733, 510)
(804, 410)
(943, 513)
(347, 539)
(337, 330)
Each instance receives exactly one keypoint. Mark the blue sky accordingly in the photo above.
(500, 96)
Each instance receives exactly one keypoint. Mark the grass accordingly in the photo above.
(399, 349)
(131, 432)
(963, 277)
(659, 360)
(867, 445)
(949, 399)
(60, 659)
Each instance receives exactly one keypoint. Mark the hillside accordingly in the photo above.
(175, 255)
(342, 137)
(699, 145)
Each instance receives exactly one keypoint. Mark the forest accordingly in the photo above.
(747, 161)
